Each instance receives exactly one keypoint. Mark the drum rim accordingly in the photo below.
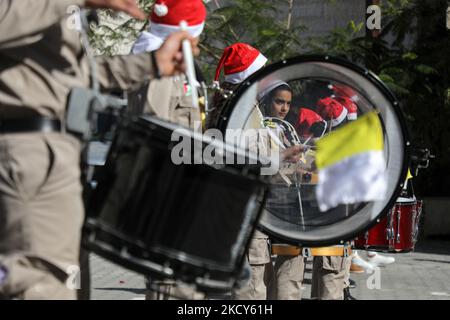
(373, 79)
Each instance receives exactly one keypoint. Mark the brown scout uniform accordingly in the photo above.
(168, 99)
(41, 209)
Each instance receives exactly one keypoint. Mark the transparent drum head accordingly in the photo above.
(299, 101)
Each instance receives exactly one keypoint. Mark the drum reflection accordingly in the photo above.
(299, 101)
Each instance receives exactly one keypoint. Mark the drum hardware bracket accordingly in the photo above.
(398, 226)
(124, 252)
(83, 104)
(216, 87)
(166, 269)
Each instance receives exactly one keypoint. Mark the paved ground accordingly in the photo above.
(423, 274)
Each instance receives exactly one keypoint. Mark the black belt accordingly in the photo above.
(29, 124)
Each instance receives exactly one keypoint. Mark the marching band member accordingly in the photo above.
(239, 61)
(288, 269)
(331, 274)
(41, 60)
(348, 98)
(169, 99)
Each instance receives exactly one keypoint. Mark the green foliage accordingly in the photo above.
(266, 25)
(411, 55)
(119, 32)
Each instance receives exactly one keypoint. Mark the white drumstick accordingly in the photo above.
(190, 69)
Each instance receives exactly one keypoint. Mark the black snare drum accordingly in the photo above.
(190, 222)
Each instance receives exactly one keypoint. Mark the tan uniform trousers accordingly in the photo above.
(328, 278)
(258, 256)
(41, 214)
(347, 265)
(289, 273)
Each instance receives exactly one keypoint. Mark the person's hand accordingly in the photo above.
(170, 56)
(292, 154)
(128, 6)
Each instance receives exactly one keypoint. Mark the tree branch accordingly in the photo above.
(289, 18)
(236, 37)
(203, 47)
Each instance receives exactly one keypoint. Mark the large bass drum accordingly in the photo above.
(291, 213)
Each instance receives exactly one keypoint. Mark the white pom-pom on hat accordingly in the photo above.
(161, 10)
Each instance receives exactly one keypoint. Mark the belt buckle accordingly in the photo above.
(346, 251)
(306, 252)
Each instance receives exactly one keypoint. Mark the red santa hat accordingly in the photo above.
(351, 107)
(239, 61)
(331, 110)
(165, 19)
(306, 119)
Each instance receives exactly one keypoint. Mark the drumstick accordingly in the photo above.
(190, 68)
(307, 140)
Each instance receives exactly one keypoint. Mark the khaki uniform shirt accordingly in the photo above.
(170, 99)
(41, 59)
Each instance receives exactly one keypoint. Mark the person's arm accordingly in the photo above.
(23, 18)
(124, 72)
(26, 18)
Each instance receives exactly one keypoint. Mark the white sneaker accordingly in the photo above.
(367, 266)
(378, 260)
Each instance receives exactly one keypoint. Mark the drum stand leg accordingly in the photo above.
(417, 211)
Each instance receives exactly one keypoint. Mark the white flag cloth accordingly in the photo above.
(351, 164)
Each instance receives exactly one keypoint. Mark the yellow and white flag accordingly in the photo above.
(351, 164)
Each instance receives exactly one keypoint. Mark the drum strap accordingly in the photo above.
(287, 250)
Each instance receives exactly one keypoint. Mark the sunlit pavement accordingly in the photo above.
(423, 274)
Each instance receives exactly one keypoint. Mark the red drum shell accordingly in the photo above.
(376, 238)
(404, 220)
(397, 232)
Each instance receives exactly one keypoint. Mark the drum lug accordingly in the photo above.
(398, 226)
(124, 252)
(366, 237)
(92, 237)
(390, 228)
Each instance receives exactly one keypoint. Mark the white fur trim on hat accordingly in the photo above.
(153, 39)
(146, 42)
(234, 78)
(352, 116)
(266, 86)
(355, 98)
(338, 120)
(164, 30)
